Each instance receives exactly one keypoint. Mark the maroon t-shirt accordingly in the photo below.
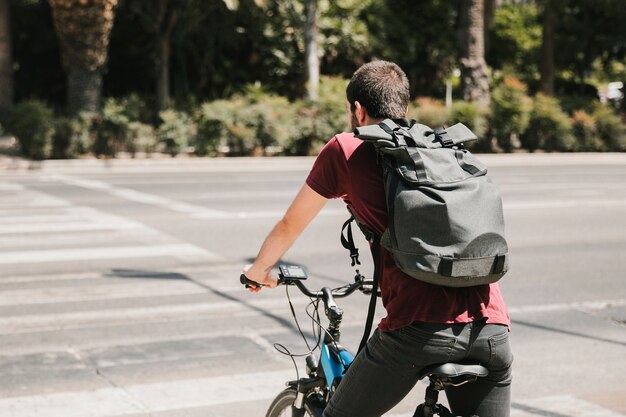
(347, 168)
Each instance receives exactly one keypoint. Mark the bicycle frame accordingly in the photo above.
(334, 361)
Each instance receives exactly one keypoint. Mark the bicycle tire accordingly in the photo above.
(282, 406)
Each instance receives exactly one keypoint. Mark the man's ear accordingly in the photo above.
(360, 113)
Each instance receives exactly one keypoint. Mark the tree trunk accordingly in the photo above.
(84, 90)
(490, 14)
(474, 71)
(6, 70)
(83, 28)
(163, 75)
(547, 49)
(167, 19)
(312, 59)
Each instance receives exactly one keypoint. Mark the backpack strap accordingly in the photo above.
(400, 135)
(375, 248)
(348, 242)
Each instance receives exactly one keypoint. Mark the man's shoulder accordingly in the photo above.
(346, 142)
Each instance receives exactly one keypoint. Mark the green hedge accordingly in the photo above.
(32, 122)
(260, 123)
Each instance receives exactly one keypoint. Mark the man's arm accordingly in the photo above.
(305, 206)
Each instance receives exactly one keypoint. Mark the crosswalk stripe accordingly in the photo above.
(155, 397)
(560, 405)
(64, 227)
(99, 291)
(78, 319)
(115, 252)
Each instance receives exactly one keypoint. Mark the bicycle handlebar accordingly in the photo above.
(344, 291)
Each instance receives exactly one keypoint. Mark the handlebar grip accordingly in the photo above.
(249, 283)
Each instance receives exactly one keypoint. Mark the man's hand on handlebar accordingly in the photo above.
(262, 278)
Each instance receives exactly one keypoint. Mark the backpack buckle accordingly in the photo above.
(354, 256)
(442, 136)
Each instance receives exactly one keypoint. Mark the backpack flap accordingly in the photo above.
(454, 135)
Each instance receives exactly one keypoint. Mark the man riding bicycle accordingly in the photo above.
(426, 324)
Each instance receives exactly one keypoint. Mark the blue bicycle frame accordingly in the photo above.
(335, 362)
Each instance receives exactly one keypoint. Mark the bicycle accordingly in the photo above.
(308, 396)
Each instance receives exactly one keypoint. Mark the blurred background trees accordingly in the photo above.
(140, 67)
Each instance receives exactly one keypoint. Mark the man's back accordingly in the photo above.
(348, 168)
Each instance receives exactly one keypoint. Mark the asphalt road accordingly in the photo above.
(119, 295)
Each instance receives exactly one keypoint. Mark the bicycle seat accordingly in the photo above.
(453, 370)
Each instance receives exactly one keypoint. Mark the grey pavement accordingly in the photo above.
(119, 294)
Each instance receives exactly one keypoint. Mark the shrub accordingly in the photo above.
(548, 127)
(32, 123)
(313, 124)
(71, 136)
(111, 129)
(175, 131)
(429, 112)
(510, 110)
(586, 133)
(470, 114)
(142, 138)
(610, 128)
(473, 116)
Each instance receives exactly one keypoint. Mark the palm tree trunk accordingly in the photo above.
(84, 90)
(83, 28)
(474, 71)
(312, 59)
(6, 71)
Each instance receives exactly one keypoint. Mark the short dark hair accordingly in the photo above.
(382, 88)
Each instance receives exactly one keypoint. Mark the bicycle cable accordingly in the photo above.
(282, 349)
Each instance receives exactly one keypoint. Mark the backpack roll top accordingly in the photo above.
(445, 217)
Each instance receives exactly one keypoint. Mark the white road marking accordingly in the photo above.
(201, 212)
(63, 227)
(562, 405)
(581, 305)
(115, 252)
(164, 396)
(79, 319)
(565, 203)
(139, 197)
(100, 291)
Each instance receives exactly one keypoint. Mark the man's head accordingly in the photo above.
(378, 90)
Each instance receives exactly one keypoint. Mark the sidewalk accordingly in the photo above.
(163, 163)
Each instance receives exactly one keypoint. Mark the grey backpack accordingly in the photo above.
(446, 224)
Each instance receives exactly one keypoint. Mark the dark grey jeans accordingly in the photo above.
(387, 369)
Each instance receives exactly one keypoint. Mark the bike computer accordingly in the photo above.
(292, 272)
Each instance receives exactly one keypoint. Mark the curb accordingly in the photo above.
(10, 164)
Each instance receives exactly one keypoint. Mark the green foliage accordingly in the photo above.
(510, 110)
(588, 32)
(515, 39)
(111, 129)
(175, 131)
(471, 115)
(32, 123)
(71, 136)
(610, 128)
(429, 112)
(586, 132)
(142, 138)
(549, 127)
(315, 124)
(258, 122)
(418, 36)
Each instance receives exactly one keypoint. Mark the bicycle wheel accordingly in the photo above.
(282, 406)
